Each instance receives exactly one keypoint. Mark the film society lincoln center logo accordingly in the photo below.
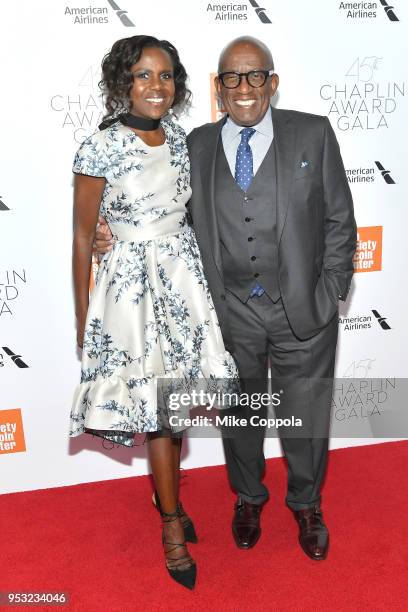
(11, 432)
(368, 255)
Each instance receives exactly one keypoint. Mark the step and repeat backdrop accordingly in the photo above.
(346, 60)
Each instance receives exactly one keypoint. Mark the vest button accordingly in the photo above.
(247, 219)
(250, 239)
(253, 258)
(222, 296)
(256, 274)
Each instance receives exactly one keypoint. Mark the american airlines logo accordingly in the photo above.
(381, 320)
(237, 12)
(367, 10)
(361, 322)
(389, 11)
(2, 205)
(16, 359)
(96, 13)
(262, 16)
(123, 16)
(385, 174)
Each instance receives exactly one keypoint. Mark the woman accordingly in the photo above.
(150, 317)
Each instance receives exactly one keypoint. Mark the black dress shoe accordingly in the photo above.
(313, 533)
(246, 527)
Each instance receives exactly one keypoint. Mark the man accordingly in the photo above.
(273, 215)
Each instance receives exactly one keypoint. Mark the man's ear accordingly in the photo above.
(217, 87)
(274, 83)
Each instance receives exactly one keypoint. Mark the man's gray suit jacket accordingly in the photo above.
(316, 229)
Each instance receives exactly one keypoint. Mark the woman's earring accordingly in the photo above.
(170, 111)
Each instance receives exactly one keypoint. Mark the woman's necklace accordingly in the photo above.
(139, 123)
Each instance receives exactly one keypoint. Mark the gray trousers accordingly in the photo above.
(304, 369)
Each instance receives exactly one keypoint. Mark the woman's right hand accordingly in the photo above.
(103, 237)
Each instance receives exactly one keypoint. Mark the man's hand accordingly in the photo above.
(103, 237)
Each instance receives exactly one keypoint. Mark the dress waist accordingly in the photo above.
(159, 228)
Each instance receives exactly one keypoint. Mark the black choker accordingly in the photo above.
(139, 123)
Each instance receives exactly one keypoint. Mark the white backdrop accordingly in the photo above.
(347, 63)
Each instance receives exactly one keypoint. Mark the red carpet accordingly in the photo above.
(101, 543)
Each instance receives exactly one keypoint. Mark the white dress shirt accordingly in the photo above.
(259, 142)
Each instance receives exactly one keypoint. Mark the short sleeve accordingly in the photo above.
(91, 158)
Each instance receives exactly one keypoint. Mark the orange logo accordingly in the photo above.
(11, 432)
(217, 112)
(368, 256)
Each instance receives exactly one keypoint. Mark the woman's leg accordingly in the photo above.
(161, 456)
(176, 463)
(164, 460)
(189, 530)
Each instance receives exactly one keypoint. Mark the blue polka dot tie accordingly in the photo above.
(244, 164)
(244, 173)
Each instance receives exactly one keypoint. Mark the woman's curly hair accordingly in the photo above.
(117, 80)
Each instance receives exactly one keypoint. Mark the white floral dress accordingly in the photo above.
(151, 316)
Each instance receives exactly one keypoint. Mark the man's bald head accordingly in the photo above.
(242, 42)
(248, 102)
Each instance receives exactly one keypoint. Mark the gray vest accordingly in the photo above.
(247, 227)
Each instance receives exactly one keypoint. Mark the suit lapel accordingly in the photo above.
(284, 136)
(207, 161)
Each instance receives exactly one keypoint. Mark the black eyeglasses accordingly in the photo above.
(255, 78)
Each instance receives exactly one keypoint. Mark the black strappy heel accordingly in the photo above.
(186, 577)
(188, 526)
